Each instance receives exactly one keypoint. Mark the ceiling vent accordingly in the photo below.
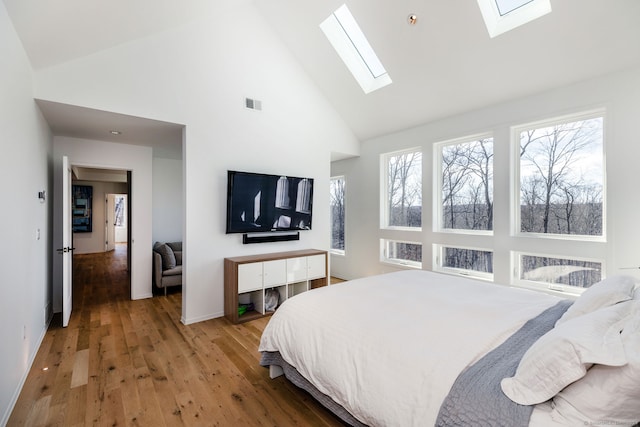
(253, 104)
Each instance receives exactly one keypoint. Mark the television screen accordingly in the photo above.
(260, 202)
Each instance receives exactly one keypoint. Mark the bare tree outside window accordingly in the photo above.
(561, 178)
(402, 204)
(467, 200)
(120, 208)
(404, 189)
(403, 252)
(336, 200)
(467, 259)
(467, 185)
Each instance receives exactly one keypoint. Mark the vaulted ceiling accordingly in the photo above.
(444, 65)
(447, 63)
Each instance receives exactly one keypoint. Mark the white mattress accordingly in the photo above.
(388, 348)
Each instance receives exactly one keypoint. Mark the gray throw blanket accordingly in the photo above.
(476, 399)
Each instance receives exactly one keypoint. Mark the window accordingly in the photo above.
(560, 274)
(402, 201)
(120, 205)
(561, 177)
(466, 183)
(403, 253)
(472, 262)
(501, 16)
(336, 200)
(354, 49)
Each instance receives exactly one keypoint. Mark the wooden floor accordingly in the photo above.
(132, 363)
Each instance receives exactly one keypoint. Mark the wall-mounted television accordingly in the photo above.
(262, 203)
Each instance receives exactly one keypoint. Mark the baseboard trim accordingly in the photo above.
(32, 358)
(201, 318)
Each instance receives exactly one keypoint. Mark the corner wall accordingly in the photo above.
(198, 75)
(25, 221)
(167, 200)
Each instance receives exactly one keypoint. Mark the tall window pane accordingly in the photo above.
(121, 218)
(404, 189)
(561, 178)
(336, 200)
(467, 185)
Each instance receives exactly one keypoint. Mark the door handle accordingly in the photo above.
(65, 250)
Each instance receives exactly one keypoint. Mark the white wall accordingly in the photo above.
(167, 200)
(88, 243)
(25, 288)
(619, 93)
(106, 155)
(198, 75)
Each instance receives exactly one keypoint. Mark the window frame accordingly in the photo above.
(515, 206)
(352, 46)
(547, 287)
(438, 217)
(438, 257)
(498, 23)
(384, 190)
(332, 250)
(396, 261)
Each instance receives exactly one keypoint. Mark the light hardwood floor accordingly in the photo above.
(133, 363)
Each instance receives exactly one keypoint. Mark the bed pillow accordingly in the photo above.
(175, 246)
(168, 257)
(607, 292)
(606, 392)
(563, 355)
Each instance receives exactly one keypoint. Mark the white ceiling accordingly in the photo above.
(53, 32)
(444, 65)
(103, 175)
(86, 123)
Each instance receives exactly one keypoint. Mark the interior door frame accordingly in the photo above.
(67, 243)
(110, 226)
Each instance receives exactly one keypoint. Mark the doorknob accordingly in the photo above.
(65, 250)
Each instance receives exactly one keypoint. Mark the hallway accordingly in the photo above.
(133, 363)
(106, 272)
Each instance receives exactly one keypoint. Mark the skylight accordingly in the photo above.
(354, 49)
(501, 16)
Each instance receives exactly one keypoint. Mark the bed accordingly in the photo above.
(417, 348)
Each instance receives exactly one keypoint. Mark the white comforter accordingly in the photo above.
(388, 348)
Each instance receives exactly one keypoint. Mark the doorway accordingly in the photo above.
(110, 214)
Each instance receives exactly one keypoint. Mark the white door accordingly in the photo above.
(110, 223)
(67, 243)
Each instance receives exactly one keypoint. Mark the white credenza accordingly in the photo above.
(247, 278)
